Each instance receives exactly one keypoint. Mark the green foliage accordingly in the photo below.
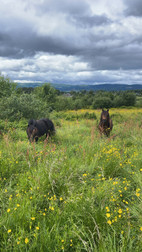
(25, 106)
(102, 102)
(129, 99)
(6, 87)
(76, 192)
(40, 101)
(71, 116)
(62, 103)
(125, 99)
(47, 93)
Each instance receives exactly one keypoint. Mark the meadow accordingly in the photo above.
(75, 192)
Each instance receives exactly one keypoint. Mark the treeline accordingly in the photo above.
(17, 103)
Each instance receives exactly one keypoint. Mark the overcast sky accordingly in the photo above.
(71, 41)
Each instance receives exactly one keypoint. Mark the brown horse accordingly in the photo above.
(105, 124)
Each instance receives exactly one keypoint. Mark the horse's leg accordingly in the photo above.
(47, 136)
(36, 139)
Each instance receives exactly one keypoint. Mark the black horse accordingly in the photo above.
(105, 124)
(37, 128)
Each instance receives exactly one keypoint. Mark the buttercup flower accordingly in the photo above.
(26, 240)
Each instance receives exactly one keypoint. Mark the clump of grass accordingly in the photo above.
(75, 192)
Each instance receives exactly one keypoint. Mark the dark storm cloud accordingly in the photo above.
(134, 8)
(87, 36)
(19, 38)
(116, 57)
(24, 40)
(27, 46)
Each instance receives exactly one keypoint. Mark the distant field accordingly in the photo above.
(76, 192)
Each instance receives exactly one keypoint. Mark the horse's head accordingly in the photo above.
(105, 116)
(31, 132)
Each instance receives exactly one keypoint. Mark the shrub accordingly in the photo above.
(102, 102)
(25, 106)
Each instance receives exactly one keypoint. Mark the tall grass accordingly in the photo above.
(76, 192)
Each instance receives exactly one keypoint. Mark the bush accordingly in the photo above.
(25, 106)
(102, 102)
(6, 87)
(126, 99)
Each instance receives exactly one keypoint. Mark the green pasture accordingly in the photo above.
(75, 192)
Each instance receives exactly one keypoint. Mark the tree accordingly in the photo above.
(63, 103)
(118, 101)
(129, 98)
(6, 87)
(24, 106)
(102, 102)
(124, 99)
(47, 93)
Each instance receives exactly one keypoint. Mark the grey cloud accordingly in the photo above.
(91, 21)
(97, 50)
(92, 38)
(104, 55)
(74, 7)
(134, 8)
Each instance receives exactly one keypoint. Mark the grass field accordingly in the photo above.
(76, 192)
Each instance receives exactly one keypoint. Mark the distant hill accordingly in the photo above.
(105, 87)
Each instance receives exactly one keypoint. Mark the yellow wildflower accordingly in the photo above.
(107, 209)
(120, 211)
(85, 175)
(109, 222)
(137, 194)
(9, 231)
(107, 215)
(51, 208)
(26, 240)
